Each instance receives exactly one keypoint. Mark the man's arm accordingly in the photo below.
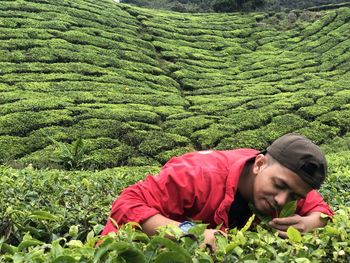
(180, 191)
(150, 225)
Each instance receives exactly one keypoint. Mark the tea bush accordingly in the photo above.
(66, 63)
(64, 199)
(134, 87)
(55, 215)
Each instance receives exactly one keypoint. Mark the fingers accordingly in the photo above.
(278, 227)
(282, 234)
(220, 233)
(282, 224)
(210, 237)
(291, 220)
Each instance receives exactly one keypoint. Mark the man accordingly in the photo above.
(215, 188)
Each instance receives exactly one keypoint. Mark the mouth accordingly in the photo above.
(271, 208)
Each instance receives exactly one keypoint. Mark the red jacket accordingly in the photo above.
(197, 186)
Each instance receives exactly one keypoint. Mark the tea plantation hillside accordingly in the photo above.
(87, 85)
(139, 86)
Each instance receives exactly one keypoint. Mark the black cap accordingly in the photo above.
(302, 156)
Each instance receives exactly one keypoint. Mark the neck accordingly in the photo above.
(246, 182)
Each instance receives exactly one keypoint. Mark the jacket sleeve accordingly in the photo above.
(313, 203)
(176, 191)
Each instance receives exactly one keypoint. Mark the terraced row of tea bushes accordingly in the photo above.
(295, 71)
(78, 69)
(139, 86)
(57, 215)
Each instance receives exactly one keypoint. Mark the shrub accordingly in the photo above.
(70, 156)
(97, 128)
(11, 147)
(318, 132)
(156, 142)
(166, 155)
(244, 139)
(50, 202)
(340, 119)
(186, 127)
(319, 24)
(283, 124)
(107, 158)
(122, 113)
(209, 137)
(337, 144)
(23, 122)
(142, 161)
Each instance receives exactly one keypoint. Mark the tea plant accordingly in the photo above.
(131, 245)
(214, 79)
(70, 156)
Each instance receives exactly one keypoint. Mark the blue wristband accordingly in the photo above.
(186, 225)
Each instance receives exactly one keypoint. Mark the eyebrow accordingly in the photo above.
(287, 186)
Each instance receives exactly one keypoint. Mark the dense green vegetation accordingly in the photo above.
(57, 215)
(139, 86)
(87, 85)
(233, 5)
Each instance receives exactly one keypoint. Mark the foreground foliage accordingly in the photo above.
(330, 244)
(56, 216)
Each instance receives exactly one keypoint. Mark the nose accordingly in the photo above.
(281, 198)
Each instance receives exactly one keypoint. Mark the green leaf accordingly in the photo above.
(64, 259)
(32, 230)
(198, 229)
(86, 183)
(103, 248)
(249, 223)
(73, 231)
(288, 209)
(324, 216)
(294, 235)
(57, 249)
(78, 149)
(75, 244)
(302, 260)
(6, 248)
(221, 241)
(170, 257)
(127, 252)
(98, 228)
(43, 215)
(161, 241)
(263, 218)
(29, 243)
(142, 237)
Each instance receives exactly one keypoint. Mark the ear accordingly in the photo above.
(259, 163)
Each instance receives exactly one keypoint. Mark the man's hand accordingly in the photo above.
(302, 223)
(210, 239)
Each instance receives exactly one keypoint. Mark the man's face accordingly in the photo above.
(275, 185)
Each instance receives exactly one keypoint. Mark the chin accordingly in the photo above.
(263, 208)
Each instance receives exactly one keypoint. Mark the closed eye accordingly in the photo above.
(280, 186)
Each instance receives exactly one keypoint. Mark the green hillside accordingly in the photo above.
(139, 86)
(88, 85)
